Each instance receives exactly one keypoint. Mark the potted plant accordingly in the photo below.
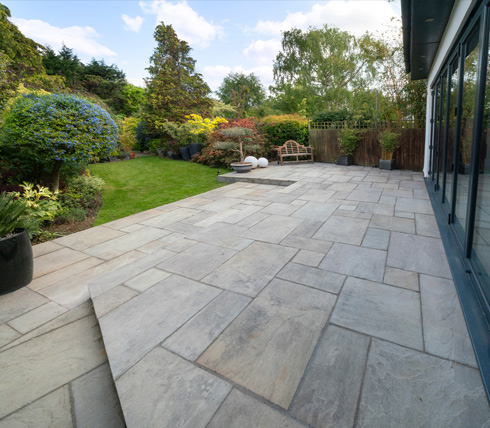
(389, 142)
(347, 141)
(16, 259)
(234, 140)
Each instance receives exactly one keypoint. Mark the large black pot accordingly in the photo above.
(16, 262)
(345, 160)
(184, 152)
(194, 149)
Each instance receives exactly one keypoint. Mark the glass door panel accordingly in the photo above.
(481, 237)
(466, 134)
(436, 131)
(442, 131)
(453, 102)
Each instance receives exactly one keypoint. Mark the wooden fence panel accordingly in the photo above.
(409, 156)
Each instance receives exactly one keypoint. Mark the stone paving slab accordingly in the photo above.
(329, 393)
(406, 388)
(145, 324)
(266, 349)
(177, 394)
(290, 353)
(380, 310)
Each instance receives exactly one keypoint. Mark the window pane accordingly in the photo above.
(481, 238)
(442, 130)
(436, 130)
(466, 135)
(453, 102)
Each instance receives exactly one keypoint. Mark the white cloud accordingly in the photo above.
(80, 39)
(357, 17)
(263, 51)
(214, 75)
(132, 24)
(137, 81)
(187, 23)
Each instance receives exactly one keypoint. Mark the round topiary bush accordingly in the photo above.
(58, 130)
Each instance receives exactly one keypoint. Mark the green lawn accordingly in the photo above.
(147, 182)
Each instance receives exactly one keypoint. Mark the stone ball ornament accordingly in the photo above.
(263, 162)
(252, 159)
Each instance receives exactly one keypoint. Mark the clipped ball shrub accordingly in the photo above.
(57, 130)
(279, 129)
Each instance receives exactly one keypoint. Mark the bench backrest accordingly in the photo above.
(292, 147)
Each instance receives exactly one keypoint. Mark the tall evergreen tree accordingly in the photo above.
(174, 88)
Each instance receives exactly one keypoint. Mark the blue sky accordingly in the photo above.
(226, 36)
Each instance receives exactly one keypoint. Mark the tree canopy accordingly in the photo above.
(241, 91)
(174, 88)
(321, 67)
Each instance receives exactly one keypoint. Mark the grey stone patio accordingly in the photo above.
(322, 300)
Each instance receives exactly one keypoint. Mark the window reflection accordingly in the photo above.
(481, 238)
(453, 102)
(442, 130)
(466, 134)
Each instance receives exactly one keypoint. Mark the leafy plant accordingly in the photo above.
(347, 141)
(58, 130)
(127, 133)
(41, 202)
(13, 215)
(389, 142)
(279, 129)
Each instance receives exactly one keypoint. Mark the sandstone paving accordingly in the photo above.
(403, 388)
(266, 349)
(296, 328)
(177, 393)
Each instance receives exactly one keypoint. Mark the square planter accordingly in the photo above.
(345, 160)
(387, 164)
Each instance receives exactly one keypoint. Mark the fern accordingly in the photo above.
(13, 215)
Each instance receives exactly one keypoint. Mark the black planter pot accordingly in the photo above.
(387, 164)
(174, 156)
(464, 168)
(184, 152)
(16, 262)
(194, 149)
(345, 160)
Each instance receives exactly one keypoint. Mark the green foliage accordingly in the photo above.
(389, 142)
(241, 91)
(132, 99)
(41, 203)
(127, 133)
(332, 116)
(7, 85)
(79, 196)
(22, 51)
(230, 144)
(223, 110)
(13, 216)
(174, 88)
(57, 130)
(279, 129)
(348, 140)
(64, 63)
(320, 67)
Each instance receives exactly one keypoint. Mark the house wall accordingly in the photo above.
(461, 10)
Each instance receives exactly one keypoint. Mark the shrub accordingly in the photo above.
(127, 133)
(389, 142)
(332, 116)
(13, 215)
(279, 129)
(347, 141)
(57, 130)
(224, 144)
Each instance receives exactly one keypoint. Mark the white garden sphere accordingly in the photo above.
(252, 159)
(263, 162)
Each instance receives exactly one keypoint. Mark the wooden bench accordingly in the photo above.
(292, 149)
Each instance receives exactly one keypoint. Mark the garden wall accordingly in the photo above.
(410, 155)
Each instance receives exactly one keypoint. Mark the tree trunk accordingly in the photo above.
(55, 176)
